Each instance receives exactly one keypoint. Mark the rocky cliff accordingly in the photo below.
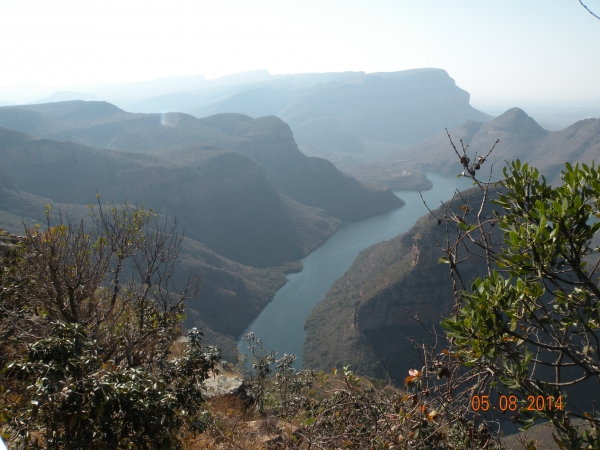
(268, 140)
(365, 316)
(312, 181)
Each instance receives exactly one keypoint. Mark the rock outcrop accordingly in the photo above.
(222, 385)
(365, 316)
(8, 242)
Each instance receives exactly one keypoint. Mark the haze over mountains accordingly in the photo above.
(339, 112)
(239, 187)
(232, 166)
(520, 137)
(346, 117)
(269, 141)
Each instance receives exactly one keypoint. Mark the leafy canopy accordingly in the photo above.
(534, 321)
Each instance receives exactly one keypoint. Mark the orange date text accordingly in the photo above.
(511, 403)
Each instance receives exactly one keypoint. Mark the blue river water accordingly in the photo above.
(280, 325)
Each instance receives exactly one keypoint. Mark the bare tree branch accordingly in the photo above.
(588, 10)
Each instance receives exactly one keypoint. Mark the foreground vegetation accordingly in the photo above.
(92, 357)
(91, 318)
(88, 315)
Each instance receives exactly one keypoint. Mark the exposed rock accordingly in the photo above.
(273, 433)
(8, 242)
(221, 385)
(367, 312)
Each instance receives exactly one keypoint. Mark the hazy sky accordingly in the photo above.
(500, 51)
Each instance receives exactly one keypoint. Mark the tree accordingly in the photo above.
(89, 314)
(532, 324)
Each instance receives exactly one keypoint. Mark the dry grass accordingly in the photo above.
(229, 427)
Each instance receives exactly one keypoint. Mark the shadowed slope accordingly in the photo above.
(221, 198)
(268, 140)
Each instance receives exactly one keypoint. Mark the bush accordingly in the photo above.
(88, 315)
(539, 306)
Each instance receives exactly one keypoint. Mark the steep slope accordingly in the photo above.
(268, 140)
(311, 181)
(231, 295)
(222, 199)
(397, 107)
(365, 316)
(520, 137)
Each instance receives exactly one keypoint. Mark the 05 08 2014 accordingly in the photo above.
(511, 403)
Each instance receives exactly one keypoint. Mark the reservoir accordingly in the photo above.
(280, 325)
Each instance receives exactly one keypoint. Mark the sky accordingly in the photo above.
(502, 51)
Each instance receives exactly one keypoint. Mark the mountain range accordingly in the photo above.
(520, 137)
(335, 112)
(249, 202)
(367, 316)
(268, 140)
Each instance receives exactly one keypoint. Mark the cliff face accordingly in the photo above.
(395, 107)
(338, 111)
(367, 313)
(309, 180)
(268, 140)
(222, 199)
(423, 286)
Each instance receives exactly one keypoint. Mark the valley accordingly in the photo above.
(282, 324)
(262, 199)
(300, 225)
(312, 234)
(250, 203)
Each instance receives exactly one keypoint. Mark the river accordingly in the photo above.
(280, 325)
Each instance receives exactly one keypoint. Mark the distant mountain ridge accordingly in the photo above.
(397, 107)
(268, 140)
(520, 137)
(335, 111)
